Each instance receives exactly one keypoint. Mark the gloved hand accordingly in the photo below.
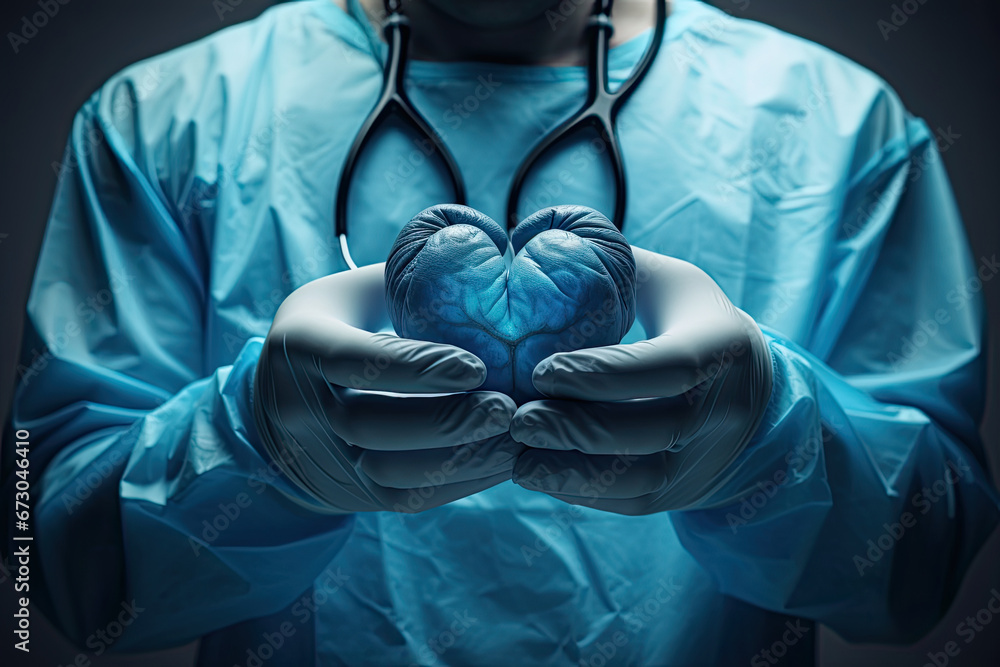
(331, 406)
(653, 425)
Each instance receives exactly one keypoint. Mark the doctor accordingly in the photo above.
(806, 292)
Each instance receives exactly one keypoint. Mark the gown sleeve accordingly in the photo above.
(152, 497)
(863, 498)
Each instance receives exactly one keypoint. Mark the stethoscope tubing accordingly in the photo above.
(599, 112)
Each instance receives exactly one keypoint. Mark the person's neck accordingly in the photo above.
(557, 37)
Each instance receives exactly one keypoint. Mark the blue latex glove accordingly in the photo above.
(653, 425)
(325, 413)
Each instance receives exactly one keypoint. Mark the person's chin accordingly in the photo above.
(494, 14)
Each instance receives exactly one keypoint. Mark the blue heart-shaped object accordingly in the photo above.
(570, 285)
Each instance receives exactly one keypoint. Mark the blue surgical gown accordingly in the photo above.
(197, 192)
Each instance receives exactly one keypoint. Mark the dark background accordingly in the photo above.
(944, 61)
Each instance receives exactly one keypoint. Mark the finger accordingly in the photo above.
(388, 423)
(355, 358)
(327, 468)
(311, 407)
(666, 365)
(647, 425)
(626, 506)
(659, 482)
(417, 468)
(428, 497)
(591, 478)
(637, 370)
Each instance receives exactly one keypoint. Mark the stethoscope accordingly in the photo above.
(599, 111)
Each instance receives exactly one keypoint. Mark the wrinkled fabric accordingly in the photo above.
(568, 284)
(197, 193)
